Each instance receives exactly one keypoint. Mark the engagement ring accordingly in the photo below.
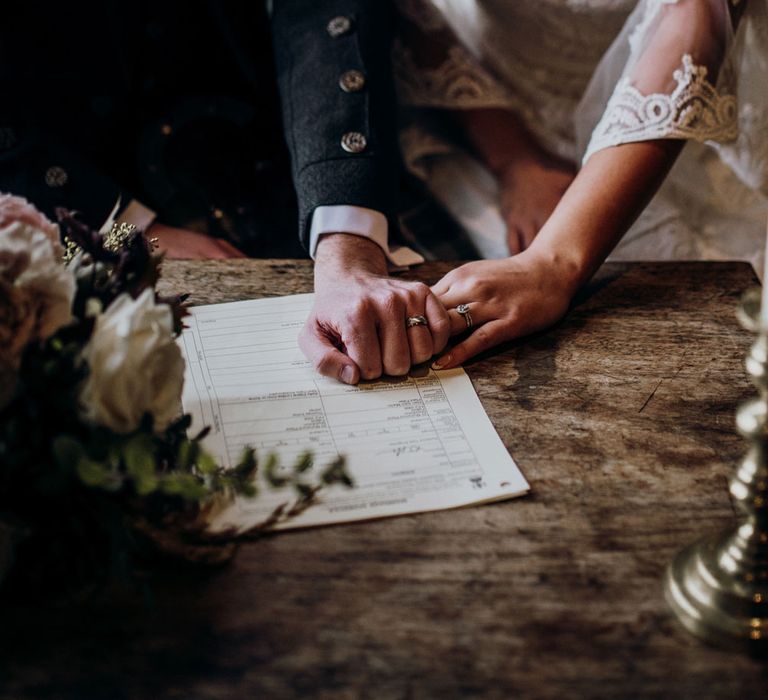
(463, 309)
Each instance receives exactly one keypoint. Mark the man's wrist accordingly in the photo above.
(137, 214)
(359, 221)
(348, 251)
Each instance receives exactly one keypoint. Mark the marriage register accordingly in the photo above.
(412, 444)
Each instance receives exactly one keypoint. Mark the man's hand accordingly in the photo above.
(531, 180)
(531, 188)
(188, 245)
(357, 328)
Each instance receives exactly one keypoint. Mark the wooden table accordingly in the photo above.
(621, 418)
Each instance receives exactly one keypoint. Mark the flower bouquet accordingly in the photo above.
(97, 472)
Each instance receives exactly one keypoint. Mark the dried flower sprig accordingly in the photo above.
(88, 494)
(106, 265)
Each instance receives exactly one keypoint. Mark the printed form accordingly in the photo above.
(412, 444)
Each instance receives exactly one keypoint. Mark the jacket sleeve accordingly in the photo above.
(333, 68)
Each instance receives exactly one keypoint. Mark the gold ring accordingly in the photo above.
(412, 321)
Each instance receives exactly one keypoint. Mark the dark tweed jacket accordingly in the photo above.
(176, 104)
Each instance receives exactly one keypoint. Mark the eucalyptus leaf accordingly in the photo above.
(67, 452)
(248, 464)
(305, 491)
(147, 485)
(92, 473)
(186, 455)
(248, 490)
(184, 485)
(304, 463)
(139, 456)
(206, 464)
(270, 472)
(336, 472)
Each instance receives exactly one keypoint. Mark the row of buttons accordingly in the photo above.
(350, 81)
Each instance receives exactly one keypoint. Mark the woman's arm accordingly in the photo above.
(665, 97)
(530, 291)
(604, 200)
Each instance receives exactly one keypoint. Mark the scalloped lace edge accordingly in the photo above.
(694, 110)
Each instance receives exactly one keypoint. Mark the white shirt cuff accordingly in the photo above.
(359, 221)
(135, 213)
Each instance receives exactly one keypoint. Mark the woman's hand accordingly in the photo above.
(507, 299)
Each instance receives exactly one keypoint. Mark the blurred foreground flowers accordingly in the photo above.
(97, 472)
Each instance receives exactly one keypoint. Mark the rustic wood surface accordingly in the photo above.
(621, 418)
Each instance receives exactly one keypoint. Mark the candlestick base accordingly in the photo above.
(712, 603)
(718, 587)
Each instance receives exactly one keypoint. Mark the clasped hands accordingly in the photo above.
(358, 328)
(358, 325)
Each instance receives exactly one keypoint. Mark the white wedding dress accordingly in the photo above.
(584, 75)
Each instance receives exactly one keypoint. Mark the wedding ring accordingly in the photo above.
(412, 321)
(463, 309)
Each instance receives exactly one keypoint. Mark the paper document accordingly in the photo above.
(412, 444)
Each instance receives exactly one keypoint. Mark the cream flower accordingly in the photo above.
(135, 366)
(36, 289)
(15, 209)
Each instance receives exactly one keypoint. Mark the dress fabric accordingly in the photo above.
(584, 75)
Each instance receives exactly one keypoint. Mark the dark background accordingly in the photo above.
(172, 103)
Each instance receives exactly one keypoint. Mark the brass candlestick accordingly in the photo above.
(718, 587)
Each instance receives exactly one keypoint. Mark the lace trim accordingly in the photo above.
(458, 82)
(694, 110)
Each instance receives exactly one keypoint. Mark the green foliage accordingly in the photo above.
(79, 490)
(84, 496)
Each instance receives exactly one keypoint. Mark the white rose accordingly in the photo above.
(14, 209)
(32, 264)
(36, 289)
(135, 366)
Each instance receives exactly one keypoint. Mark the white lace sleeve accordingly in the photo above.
(674, 83)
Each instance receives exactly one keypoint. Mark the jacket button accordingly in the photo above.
(352, 81)
(353, 142)
(56, 176)
(339, 26)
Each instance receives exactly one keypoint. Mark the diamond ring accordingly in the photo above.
(463, 309)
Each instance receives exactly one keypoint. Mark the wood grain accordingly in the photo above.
(621, 418)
